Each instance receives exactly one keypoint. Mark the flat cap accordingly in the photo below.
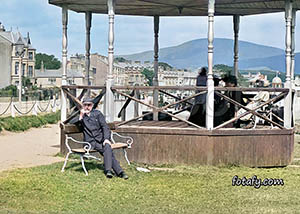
(87, 100)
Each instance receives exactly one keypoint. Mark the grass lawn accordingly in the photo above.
(182, 189)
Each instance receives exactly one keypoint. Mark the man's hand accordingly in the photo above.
(106, 142)
(82, 112)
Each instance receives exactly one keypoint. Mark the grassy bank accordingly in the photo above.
(26, 122)
(177, 189)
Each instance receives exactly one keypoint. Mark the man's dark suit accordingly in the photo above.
(95, 131)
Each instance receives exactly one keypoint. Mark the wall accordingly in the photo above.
(5, 62)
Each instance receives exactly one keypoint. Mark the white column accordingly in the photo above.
(109, 105)
(64, 62)
(293, 47)
(88, 20)
(236, 26)
(210, 81)
(288, 50)
(155, 78)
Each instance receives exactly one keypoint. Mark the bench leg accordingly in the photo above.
(66, 160)
(83, 166)
(126, 158)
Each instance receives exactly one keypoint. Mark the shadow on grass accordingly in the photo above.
(89, 165)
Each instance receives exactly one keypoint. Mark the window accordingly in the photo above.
(70, 82)
(16, 67)
(52, 80)
(30, 71)
(23, 69)
(30, 55)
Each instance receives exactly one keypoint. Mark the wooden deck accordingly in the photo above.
(168, 142)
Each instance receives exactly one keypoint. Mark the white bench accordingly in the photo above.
(86, 150)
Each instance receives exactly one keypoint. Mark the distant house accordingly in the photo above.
(47, 78)
(10, 61)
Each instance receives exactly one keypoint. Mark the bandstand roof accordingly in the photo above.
(178, 7)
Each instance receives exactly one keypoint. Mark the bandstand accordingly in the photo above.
(179, 140)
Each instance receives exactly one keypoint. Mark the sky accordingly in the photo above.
(133, 34)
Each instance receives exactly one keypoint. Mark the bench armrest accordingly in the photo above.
(87, 146)
(128, 140)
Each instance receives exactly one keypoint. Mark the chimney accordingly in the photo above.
(2, 29)
(28, 39)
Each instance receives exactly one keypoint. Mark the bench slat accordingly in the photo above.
(113, 146)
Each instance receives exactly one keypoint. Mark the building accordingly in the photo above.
(13, 61)
(48, 78)
(277, 82)
(129, 73)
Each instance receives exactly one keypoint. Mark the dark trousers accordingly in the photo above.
(110, 162)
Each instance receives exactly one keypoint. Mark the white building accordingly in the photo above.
(13, 62)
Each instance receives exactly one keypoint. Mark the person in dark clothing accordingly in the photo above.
(202, 77)
(201, 81)
(98, 134)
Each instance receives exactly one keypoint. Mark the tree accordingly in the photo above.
(50, 62)
(120, 59)
(164, 65)
(225, 69)
(26, 82)
(149, 74)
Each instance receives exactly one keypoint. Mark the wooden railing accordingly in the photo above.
(131, 93)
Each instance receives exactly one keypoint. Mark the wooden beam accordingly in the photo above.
(253, 111)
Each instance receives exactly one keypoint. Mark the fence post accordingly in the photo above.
(34, 110)
(54, 105)
(12, 109)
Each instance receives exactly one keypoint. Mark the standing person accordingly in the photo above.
(202, 77)
(98, 134)
(201, 81)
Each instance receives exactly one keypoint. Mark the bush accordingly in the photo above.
(26, 122)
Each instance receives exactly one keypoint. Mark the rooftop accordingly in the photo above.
(178, 7)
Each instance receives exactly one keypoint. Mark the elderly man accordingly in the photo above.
(97, 133)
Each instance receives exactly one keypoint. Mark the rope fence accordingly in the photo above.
(43, 110)
(35, 107)
(22, 113)
(6, 110)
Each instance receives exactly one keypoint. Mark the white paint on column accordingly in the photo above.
(64, 62)
(210, 82)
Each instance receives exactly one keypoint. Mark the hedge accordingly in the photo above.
(26, 122)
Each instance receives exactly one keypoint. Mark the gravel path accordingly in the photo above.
(34, 147)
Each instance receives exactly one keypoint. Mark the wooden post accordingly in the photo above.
(136, 104)
(88, 20)
(109, 105)
(155, 78)
(288, 50)
(210, 81)
(64, 62)
(236, 26)
(123, 114)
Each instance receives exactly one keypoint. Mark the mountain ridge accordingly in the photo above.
(193, 54)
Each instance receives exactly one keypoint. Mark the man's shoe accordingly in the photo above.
(109, 174)
(123, 175)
